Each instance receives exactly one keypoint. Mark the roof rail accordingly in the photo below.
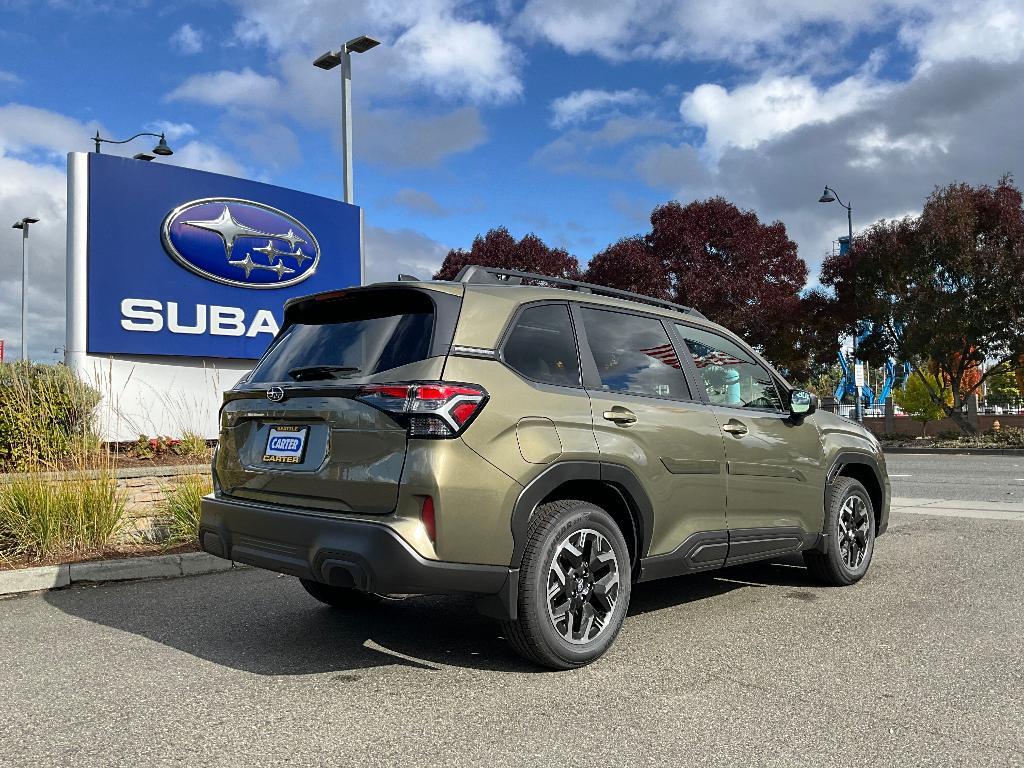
(474, 273)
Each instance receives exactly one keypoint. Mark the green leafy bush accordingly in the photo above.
(46, 415)
(47, 516)
(181, 506)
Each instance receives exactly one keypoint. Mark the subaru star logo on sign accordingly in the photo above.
(195, 264)
(240, 242)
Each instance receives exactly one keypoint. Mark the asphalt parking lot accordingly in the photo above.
(756, 665)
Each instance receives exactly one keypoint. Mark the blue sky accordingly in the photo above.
(569, 119)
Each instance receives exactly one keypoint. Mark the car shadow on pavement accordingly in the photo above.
(266, 624)
(669, 593)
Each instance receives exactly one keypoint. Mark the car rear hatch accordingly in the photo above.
(293, 433)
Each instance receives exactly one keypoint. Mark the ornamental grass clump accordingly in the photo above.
(50, 516)
(181, 507)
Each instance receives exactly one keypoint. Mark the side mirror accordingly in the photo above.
(802, 403)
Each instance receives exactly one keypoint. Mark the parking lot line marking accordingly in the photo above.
(900, 475)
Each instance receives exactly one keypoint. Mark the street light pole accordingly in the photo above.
(343, 58)
(23, 225)
(831, 196)
(348, 194)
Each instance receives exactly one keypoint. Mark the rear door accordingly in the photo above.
(293, 432)
(646, 420)
(775, 465)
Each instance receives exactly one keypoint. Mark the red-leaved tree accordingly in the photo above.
(631, 265)
(722, 261)
(499, 249)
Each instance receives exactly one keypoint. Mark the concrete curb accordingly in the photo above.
(961, 451)
(125, 569)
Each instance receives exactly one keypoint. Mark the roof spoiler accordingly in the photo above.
(474, 273)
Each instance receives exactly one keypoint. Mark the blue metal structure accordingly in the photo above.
(896, 374)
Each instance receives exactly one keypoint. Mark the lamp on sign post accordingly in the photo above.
(23, 225)
(831, 196)
(328, 61)
(161, 147)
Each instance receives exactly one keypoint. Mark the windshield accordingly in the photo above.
(349, 338)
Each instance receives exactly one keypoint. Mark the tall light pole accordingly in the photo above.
(23, 225)
(330, 60)
(831, 196)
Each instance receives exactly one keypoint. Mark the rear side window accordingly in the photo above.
(354, 336)
(542, 346)
(731, 376)
(634, 354)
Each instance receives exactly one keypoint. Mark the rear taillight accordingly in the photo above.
(427, 409)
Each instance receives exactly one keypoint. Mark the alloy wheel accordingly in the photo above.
(854, 529)
(583, 586)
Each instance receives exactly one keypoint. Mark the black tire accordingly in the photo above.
(345, 598)
(849, 547)
(587, 581)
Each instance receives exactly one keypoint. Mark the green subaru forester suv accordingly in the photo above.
(541, 444)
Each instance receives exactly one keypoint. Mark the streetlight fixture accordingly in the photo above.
(831, 196)
(330, 60)
(23, 225)
(161, 147)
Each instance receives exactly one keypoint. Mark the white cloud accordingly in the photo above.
(441, 46)
(187, 39)
(227, 88)
(9, 78)
(738, 31)
(774, 105)
(172, 131)
(580, 106)
(460, 59)
(988, 30)
(206, 157)
(390, 252)
(23, 128)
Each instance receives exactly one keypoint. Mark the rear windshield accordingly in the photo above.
(355, 336)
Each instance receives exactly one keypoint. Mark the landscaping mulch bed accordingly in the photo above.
(168, 459)
(108, 553)
(928, 443)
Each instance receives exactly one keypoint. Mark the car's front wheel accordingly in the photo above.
(574, 586)
(850, 525)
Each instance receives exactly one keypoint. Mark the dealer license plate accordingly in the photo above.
(286, 445)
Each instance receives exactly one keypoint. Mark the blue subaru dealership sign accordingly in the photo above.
(196, 264)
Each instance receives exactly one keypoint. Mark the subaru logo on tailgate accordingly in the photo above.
(240, 242)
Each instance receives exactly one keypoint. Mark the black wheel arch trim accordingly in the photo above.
(844, 458)
(618, 478)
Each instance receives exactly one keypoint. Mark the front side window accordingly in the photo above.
(634, 354)
(542, 346)
(730, 375)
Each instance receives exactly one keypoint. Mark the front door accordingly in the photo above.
(776, 466)
(646, 420)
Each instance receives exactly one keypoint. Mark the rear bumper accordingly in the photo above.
(343, 552)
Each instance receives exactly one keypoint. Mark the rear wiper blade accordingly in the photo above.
(310, 372)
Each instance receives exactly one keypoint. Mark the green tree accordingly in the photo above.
(944, 286)
(917, 402)
(1002, 389)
